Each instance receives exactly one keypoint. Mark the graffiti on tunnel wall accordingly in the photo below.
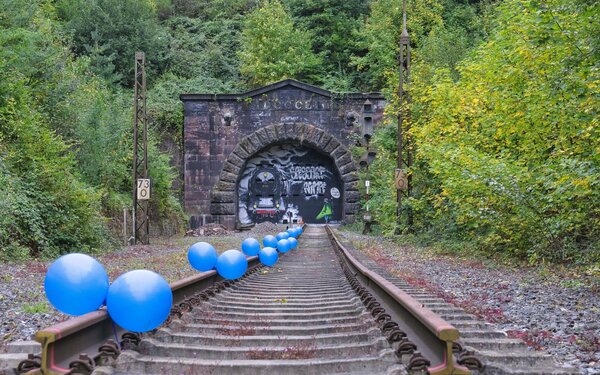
(289, 184)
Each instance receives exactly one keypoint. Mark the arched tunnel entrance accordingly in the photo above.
(290, 183)
(305, 163)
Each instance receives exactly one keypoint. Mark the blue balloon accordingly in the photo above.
(202, 256)
(76, 284)
(282, 236)
(283, 245)
(268, 256)
(139, 300)
(293, 242)
(300, 230)
(269, 241)
(232, 264)
(292, 232)
(250, 246)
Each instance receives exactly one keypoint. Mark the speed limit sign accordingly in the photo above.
(143, 188)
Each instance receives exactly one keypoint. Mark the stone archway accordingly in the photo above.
(224, 193)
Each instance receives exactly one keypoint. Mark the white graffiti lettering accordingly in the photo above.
(308, 173)
(314, 187)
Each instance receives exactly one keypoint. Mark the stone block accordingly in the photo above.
(219, 196)
(222, 208)
(235, 160)
(343, 160)
(224, 186)
(240, 152)
(331, 146)
(352, 196)
(341, 152)
(346, 169)
(231, 168)
(263, 137)
(350, 208)
(271, 133)
(228, 177)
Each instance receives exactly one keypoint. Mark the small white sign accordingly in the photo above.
(143, 188)
(367, 183)
(335, 193)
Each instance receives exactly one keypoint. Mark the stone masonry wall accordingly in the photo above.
(222, 131)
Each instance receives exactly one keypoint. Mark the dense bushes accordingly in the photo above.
(65, 149)
(503, 103)
(507, 142)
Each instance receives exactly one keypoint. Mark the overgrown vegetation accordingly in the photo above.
(503, 104)
(506, 138)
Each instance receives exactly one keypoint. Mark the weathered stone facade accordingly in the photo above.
(221, 132)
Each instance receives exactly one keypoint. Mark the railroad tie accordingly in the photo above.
(299, 317)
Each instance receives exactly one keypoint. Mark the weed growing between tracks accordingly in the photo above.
(299, 351)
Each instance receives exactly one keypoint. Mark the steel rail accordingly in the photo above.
(432, 335)
(62, 343)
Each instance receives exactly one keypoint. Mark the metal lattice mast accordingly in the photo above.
(403, 70)
(140, 151)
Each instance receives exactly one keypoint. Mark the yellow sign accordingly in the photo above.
(401, 182)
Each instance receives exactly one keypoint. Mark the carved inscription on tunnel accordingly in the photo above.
(292, 102)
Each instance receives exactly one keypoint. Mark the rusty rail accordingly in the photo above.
(62, 343)
(432, 335)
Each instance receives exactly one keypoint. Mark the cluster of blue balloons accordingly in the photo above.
(232, 264)
(138, 300)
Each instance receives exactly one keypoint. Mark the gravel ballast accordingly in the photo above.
(23, 306)
(549, 311)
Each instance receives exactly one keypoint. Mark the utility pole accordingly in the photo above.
(141, 183)
(403, 70)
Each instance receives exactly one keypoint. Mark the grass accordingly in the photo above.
(36, 308)
(569, 275)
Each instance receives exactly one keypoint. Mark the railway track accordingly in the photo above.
(318, 311)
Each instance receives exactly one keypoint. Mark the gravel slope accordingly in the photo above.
(23, 305)
(547, 310)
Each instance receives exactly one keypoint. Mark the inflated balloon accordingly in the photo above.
(293, 242)
(268, 256)
(250, 246)
(232, 264)
(282, 236)
(76, 284)
(292, 232)
(269, 241)
(283, 245)
(202, 256)
(139, 300)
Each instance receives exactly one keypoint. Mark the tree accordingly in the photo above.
(111, 31)
(274, 49)
(334, 24)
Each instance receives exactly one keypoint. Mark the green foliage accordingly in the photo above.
(36, 308)
(111, 31)
(334, 24)
(273, 48)
(506, 135)
(379, 37)
(503, 110)
(65, 143)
